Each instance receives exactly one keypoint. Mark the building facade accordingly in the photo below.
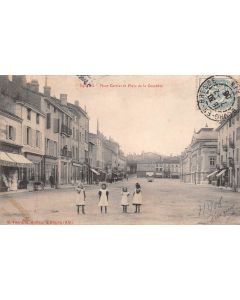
(228, 161)
(200, 158)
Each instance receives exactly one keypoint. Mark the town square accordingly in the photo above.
(58, 165)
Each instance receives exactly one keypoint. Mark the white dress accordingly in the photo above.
(80, 199)
(137, 197)
(124, 200)
(103, 199)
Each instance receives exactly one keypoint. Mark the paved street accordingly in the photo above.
(165, 202)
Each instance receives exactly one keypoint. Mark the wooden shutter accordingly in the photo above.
(40, 140)
(48, 120)
(25, 135)
(32, 137)
(7, 132)
(14, 134)
(56, 126)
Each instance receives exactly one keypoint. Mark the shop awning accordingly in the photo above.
(94, 171)
(212, 174)
(221, 173)
(20, 160)
(5, 160)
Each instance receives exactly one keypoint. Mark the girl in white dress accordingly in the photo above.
(137, 198)
(80, 198)
(103, 197)
(124, 200)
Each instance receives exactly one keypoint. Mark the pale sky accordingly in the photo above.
(157, 119)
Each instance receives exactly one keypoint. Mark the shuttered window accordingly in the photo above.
(10, 132)
(48, 121)
(56, 126)
(29, 136)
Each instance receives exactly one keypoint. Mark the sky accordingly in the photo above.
(150, 113)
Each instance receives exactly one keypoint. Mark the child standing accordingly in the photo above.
(80, 198)
(103, 197)
(124, 200)
(137, 198)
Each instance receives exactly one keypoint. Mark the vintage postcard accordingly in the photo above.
(86, 149)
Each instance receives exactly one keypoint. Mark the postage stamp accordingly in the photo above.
(217, 97)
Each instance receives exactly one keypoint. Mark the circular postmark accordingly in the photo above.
(217, 97)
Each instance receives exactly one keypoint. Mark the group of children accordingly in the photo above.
(103, 196)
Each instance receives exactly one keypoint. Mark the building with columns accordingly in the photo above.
(199, 159)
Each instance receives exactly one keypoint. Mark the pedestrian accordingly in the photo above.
(137, 197)
(124, 200)
(80, 198)
(103, 197)
(127, 177)
(51, 180)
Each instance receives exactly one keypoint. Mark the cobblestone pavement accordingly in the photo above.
(165, 201)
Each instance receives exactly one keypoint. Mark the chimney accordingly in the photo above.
(19, 80)
(47, 91)
(76, 103)
(63, 99)
(34, 86)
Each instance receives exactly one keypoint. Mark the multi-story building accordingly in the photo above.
(33, 135)
(228, 151)
(199, 159)
(80, 143)
(13, 165)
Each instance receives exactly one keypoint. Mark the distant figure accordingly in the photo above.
(103, 197)
(127, 177)
(137, 198)
(51, 180)
(80, 198)
(124, 200)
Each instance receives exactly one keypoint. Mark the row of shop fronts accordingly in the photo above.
(227, 177)
(18, 170)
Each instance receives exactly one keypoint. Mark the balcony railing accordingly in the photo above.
(225, 147)
(65, 152)
(66, 130)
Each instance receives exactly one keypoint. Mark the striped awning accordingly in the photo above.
(94, 171)
(212, 174)
(5, 160)
(221, 173)
(14, 160)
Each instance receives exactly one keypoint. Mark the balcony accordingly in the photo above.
(225, 147)
(65, 152)
(66, 130)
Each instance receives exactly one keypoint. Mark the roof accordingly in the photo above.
(10, 115)
(77, 109)
(205, 134)
(32, 106)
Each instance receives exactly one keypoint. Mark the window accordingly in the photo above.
(38, 137)
(11, 133)
(48, 121)
(29, 114)
(29, 136)
(55, 109)
(48, 106)
(37, 118)
(212, 161)
(238, 133)
(237, 155)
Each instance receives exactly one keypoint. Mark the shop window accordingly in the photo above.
(29, 114)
